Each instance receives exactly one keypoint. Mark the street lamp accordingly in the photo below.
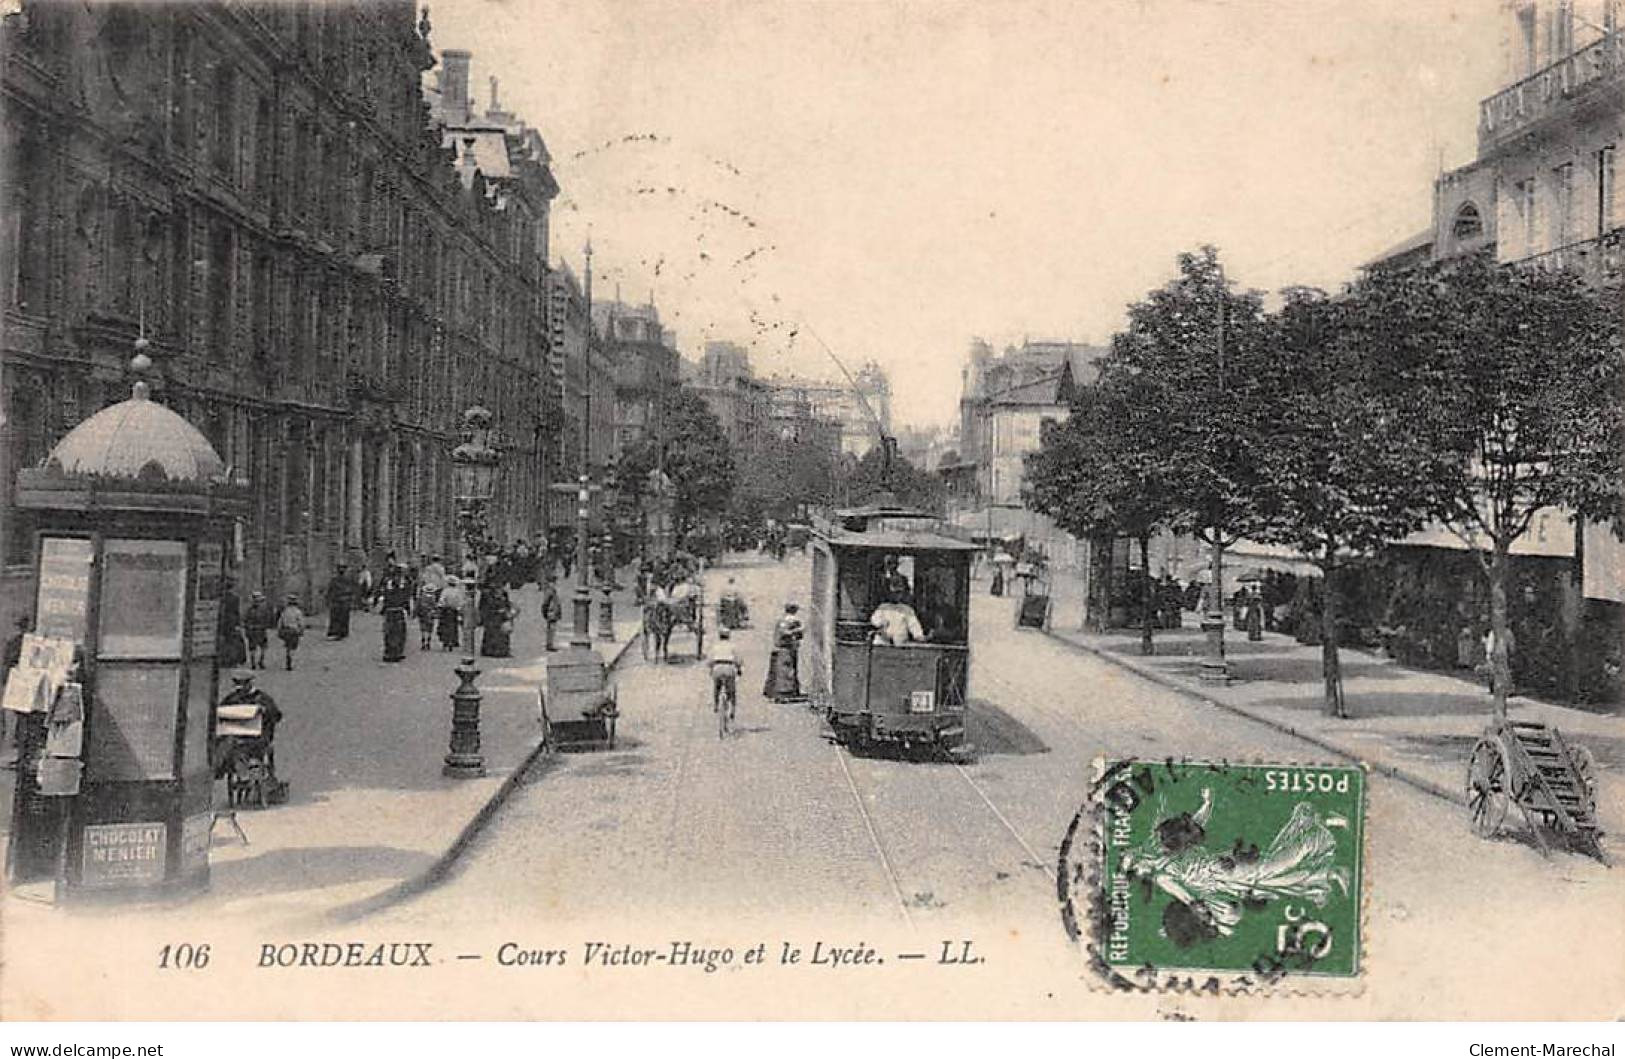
(474, 475)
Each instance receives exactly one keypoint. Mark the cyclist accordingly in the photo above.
(725, 670)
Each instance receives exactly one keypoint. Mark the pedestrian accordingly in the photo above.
(552, 611)
(340, 597)
(228, 632)
(449, 606)
(1255, 614)
(434, 575)
(290, 626)
(395, 592)
(364, 587)
(13, 655)
(1489, 656)
(257, 622)
(519, 570)
(428, 612)
(783, 682)
(496, 621)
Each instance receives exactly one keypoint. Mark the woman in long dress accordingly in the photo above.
(783, 677)
(496, 622)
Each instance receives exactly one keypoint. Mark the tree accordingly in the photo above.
(1346, 473)
(870, 476)
(686, 441)
(779, 474)
(1100, 473)
(1516, 384)
(1197, 352)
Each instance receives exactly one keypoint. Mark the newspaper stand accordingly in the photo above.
(1552, 782)
(133, 519)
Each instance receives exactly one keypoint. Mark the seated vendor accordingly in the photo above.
(895, 622)
(230, 747)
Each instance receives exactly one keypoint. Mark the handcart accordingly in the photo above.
(578, 704)
(1552, 781)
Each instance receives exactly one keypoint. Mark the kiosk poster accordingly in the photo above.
(206, 607)
(143, 598)
(124, 854)
(63, 599)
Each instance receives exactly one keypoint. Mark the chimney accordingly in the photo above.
(454, 84)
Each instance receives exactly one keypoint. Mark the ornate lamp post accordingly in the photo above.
(474, 471)
(606, 585)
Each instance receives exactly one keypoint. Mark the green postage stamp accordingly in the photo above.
(1220, 875)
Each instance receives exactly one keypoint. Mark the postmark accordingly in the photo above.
(1219, 877)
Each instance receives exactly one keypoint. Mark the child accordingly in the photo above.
(290, 626)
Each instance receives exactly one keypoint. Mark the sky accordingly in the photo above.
(889, 180)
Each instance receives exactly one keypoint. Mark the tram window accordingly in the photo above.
(855, 601)
(894, 576)
(938, 600)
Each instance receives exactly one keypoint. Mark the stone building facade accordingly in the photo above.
(258, 190)
(643, 356)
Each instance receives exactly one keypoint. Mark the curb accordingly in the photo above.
(1426, 786)
(442, 867)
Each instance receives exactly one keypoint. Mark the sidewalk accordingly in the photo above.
(361, 744)
(1416, 726)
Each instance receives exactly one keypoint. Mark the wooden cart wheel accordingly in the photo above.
(1489, 797)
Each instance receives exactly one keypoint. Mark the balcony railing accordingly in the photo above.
(1599, 261)
(1517, 107)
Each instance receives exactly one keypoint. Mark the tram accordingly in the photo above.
(888, 628)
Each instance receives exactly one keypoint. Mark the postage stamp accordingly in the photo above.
(1218, 876)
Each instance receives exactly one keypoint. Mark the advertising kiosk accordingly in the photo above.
(115, 790)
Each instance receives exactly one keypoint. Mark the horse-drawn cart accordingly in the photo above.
(1552, 782)
(578, 704)
(665, 612)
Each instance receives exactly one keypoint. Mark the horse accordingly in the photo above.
(659, 618)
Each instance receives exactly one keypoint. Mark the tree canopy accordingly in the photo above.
(687, 442)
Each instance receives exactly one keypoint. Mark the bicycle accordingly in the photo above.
(724, 701)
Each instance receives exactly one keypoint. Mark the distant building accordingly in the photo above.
(643, 357)
(863, 410)
(738, 399)
(1003, 405)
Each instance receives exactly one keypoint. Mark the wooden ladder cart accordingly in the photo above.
(1551, 781)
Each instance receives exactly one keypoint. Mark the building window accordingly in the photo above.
(1468, 224)
(1562, 205)
(264, 135)
(1523, 199)
(225, 121)
(1605, 190)
(180, 280)
(220, 291)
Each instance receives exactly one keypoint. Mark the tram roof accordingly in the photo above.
(885, 528)
(896, 541)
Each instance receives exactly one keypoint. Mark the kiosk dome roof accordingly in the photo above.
(137, 439)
